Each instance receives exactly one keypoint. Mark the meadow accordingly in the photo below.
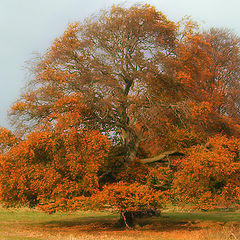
(26, 224)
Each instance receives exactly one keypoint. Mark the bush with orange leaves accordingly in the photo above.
(49, 169)
(128, 199)
(209, 176)
(123, 196)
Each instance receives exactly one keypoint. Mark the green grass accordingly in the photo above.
(203, 216)
(12, 220)
(31, 215)
(26, 224)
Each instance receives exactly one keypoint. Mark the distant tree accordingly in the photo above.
(225, 57)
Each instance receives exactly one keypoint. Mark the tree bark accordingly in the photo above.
(131, 145)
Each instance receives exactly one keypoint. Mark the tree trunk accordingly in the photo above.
(131, 144)
(127, 220)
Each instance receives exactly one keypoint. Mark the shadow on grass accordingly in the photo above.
(169, 221)
(104, 224)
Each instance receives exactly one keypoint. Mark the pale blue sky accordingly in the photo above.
(28, 26)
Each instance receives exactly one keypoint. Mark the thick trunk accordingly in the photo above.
(130, 139)
(131, 145)
(132, 149)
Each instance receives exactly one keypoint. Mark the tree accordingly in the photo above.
(208, 67)
(137, 74)
(112, 61)
(225, 58)
(154, 87)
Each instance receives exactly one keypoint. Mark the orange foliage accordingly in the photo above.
(123, 197)
(48, 167)
(7, 139)
(209, 176)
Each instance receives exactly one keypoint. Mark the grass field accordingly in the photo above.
(25, 224)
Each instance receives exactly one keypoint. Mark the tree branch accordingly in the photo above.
(160, 157)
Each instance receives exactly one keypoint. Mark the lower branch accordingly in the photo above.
(160, 156)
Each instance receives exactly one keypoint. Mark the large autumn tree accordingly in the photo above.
(152, 86)
(140, 76)
(119, 62)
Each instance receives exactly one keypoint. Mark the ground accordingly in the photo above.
(26, 224)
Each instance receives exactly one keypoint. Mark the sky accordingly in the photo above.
(28, 27)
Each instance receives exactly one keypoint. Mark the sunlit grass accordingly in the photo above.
(32, 215)
(204, 216)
